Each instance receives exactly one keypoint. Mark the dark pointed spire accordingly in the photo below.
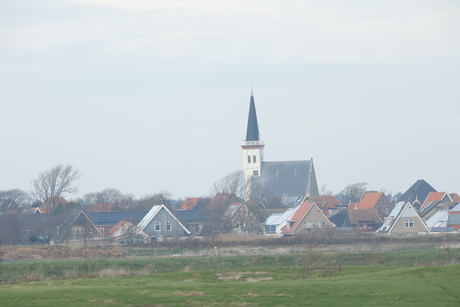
(252, 133)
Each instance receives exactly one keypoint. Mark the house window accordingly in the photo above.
(387, 210)
(237, 225)
(307, 224)
(157, 226)
(168, 226)
(320, 224)
(408, 223)
(101, 230)
(290, 224)
(254, 159)
(90, 230)
(249, 159)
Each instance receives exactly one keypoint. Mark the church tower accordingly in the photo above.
(253, 147)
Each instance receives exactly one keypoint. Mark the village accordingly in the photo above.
(421, 210)
(273, 198)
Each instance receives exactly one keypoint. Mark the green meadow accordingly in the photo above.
(404, 278)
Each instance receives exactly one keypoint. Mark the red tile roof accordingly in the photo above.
(298, 216)
(108, 207)
(455, 197)
(370, 199)
(353, 205)
(190, 203)
(433, 196)
(116, 227)
(46, 209)
(220, 200)
(325, 199)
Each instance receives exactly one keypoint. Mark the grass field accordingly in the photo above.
(423, 277)
(355, 286)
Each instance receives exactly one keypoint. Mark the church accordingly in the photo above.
(273, 179)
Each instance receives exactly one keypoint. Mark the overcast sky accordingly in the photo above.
(144, 95)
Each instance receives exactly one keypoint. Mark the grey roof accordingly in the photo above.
(292, 200)
(419, 190)
(112, 218)
(454, 219)
(278, 218)
(340, 217)
(288, 177)
(252, 133)
(456, 208)
(424, 210)
(190, 216)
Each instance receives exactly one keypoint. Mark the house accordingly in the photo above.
(161, 223)
(341, 219)
(277, 221)
(377, 201)
(31, 210)
(327, 203)
(127, 232)
(438, 222)
(405, 221)
(418, 191)
(222, 201)
(106, 220)
(437, 196)
(273, 179)
(193, 220)
(7, 206)
(363, 220)
(80, 228)
(242, 219)
(195, 203)
(454, 218)
(307, 219)
(50, 203)
(431, 208)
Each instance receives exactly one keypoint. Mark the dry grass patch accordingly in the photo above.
(177, 293)
(190, 279)
(249, 279)
(243, 304)
(143, 292)
(251, 295)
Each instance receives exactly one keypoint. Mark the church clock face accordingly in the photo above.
(256, 173)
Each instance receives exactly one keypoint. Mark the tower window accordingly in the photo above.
(249, 159)
(256, 173)
(254, 159)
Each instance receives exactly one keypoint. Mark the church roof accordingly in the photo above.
(288, 177)
(252, 133)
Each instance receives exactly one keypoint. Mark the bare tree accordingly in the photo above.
(20, 197)
(52, 184)
(146, 202)
(324, 191)
(353, 192)
(233, 182)
(104, 199)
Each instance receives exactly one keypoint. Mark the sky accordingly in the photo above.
(145, 96)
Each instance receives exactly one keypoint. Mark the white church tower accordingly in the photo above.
(253, 147)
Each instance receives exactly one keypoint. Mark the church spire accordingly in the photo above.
(252, 134)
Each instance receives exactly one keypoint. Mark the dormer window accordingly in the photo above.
(254, 159)
(249, 159)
